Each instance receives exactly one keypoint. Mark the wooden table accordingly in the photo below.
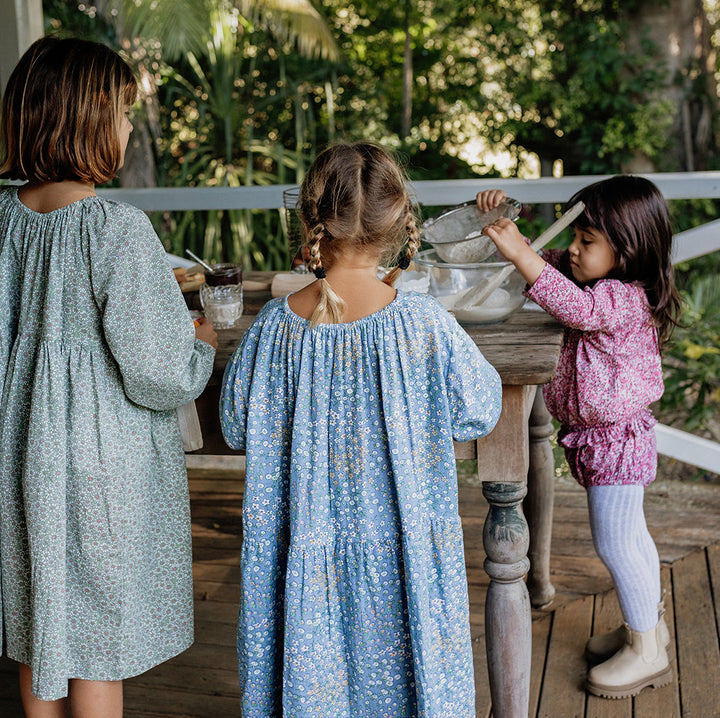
(514, 463)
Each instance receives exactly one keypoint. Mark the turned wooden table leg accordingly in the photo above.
(538, 505)
(508, 630)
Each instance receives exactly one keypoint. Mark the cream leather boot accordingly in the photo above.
(601, 647)
(641, 662)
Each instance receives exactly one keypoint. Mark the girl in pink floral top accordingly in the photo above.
(613, 290)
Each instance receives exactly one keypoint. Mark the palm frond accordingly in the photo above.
(297, 21)
(703, 296)
(179, 25)
(182, 25)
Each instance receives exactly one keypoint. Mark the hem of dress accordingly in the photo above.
(133, 673)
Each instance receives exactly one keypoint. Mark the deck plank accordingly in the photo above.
(664, 701)
(141, 698)
(607, 617)
(483, 704)
(541, 628)
(562, 691)
(713, 557)
(697, 640)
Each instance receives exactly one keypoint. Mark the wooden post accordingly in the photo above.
(503, 459)
(22, 23)
(508, 630)
(538, 505)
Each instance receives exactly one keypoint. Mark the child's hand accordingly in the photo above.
(507, 237)
(512, 245)
(205, 332)
(489, 199)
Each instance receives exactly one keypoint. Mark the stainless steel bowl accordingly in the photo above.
(456, 233)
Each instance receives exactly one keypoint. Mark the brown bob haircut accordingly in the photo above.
(62, 112)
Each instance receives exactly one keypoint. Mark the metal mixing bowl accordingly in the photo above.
(456, 233)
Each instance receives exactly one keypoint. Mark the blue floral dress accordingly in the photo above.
(354, 593)
(97, 351)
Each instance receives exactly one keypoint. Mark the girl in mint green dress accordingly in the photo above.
(346, 397)
(97, 351)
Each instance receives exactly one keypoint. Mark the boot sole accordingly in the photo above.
(662, 678)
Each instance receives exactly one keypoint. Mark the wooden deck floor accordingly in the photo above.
(683, 518)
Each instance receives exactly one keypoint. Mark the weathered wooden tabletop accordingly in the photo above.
(524, 349)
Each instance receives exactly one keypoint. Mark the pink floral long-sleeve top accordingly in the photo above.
(609, 368)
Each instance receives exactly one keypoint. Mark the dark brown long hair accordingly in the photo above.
(62, 112)
(631, 212)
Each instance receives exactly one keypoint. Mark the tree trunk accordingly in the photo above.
(681, 32)
(139, 168)
(406, 123)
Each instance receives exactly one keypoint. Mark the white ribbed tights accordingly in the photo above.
(625, 546)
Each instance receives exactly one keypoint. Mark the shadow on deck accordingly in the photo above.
(683, 518)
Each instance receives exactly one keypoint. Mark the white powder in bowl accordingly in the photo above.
(496, 307)
(497, 300)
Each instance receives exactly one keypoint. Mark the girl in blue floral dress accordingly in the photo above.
(97, 351)
(346, 397)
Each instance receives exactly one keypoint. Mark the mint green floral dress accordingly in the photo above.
(354, 600)
(97, 351)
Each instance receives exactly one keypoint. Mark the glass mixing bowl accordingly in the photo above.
(449, 282)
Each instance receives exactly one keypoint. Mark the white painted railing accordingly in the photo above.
(696, 241)
(673, 185)
(691, 449)
(691, 243)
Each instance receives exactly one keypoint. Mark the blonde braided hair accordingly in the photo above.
(330, 307)
(413, 245)
(354, 196)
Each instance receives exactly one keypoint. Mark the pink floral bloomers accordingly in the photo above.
(608, 373)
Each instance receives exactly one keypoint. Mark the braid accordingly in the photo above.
(314, 237)
(413, 245)
(330, 307)
(413, 232)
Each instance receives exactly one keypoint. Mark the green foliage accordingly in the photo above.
(644, 131)
(238, 104)
(692, 382)
(182, 24)
(574, 90)
(224, 105)
(66, 18)
(686, 214)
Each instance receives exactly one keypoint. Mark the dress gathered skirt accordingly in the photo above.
(97, 351)
(354, 591)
